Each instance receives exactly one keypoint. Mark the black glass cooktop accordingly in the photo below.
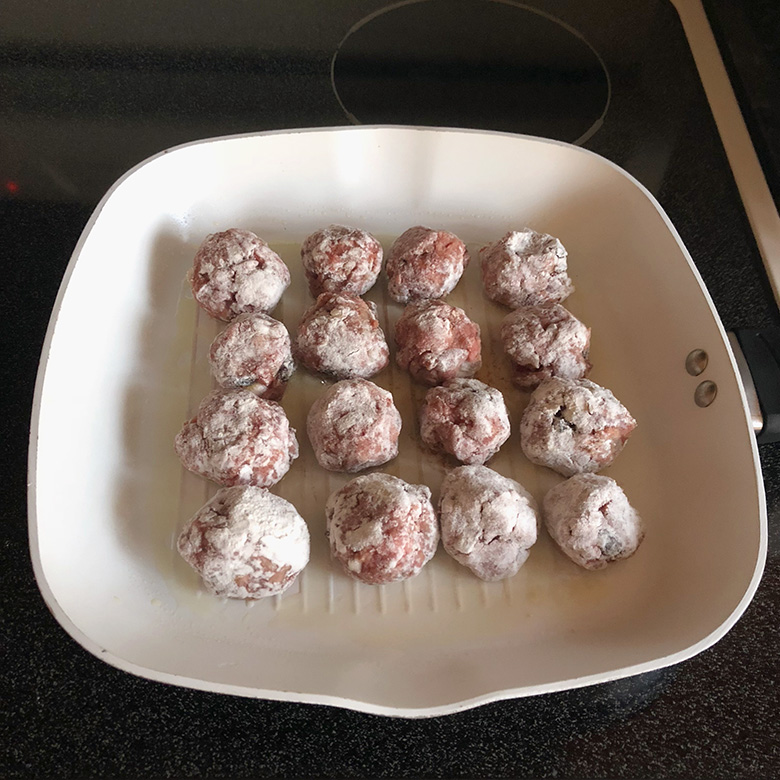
(472, 63)
(90, 89)
(85, 102)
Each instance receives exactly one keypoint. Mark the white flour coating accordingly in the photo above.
(574, 425)
(545, 341)
(341, 259)
(254, 349)
(238, 438)
(424, 263)
(340, 336)
(381, 529)
(525, 268)
(465, 418)
(435, 323)
(386, 494)
(236, 272)
(437, 342)
(590, 519)
(354, 425)
(246, 543)
(488, 522)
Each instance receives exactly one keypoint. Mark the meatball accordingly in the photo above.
(235, 272)
(253, 351)
(354, 426)
(574, 425)
(237, 438)
(437, 342)
(424, 263)
(381, 529)
(525, 268)
(545, 341)
(590, 519)
(340, 336)
(341, 259)
(488, 522)
(246, 543)
(465, 418)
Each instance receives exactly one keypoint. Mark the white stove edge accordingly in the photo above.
(748, 174)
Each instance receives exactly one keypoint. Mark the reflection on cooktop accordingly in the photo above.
(487, 64)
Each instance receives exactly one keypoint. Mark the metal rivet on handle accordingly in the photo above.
(696, 362)
(705, 393)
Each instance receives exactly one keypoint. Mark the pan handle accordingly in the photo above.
(757, 353)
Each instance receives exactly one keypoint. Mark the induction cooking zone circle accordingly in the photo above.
(485, 64)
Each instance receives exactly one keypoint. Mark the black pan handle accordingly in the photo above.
(758, 358)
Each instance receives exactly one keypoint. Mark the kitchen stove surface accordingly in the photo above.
(475, 64)
(91, 89)
(85, 104)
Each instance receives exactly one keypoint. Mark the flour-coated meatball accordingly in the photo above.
(466, 419)
(353, 426)
(589, 518)
(341, 259)
(574, 425)
(236, 272)
(545, 341)
(424, 263)
(253, 351)
(525, 268)
(237, 438)
(488, 522)
(381, 529)
(437, 342)
(340, 336)
(246, 543)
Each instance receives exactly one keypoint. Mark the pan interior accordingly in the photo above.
(109, 494)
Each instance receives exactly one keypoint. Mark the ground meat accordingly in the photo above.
(341, 259)
(381, 529)
(237, 438)
(465, 418)
(354, 426)
(340, 336)
(590, 519)
(525, 268)
(253, 351)
(235, 272)
(246, 543)
(574, 425)
(437, 342)
(424, 263)
(545, 341)
(488, 522)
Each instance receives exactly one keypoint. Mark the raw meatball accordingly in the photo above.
(590, 519)
(381, 529)
(253, 351)
(354, 426)
(465, 418)
(237, 438)
(437, 342)
(545, 341)
(525, 268)
(574, 425)
(341, 259)
(246, 543)
(488, 522)
(340, 336)
(424, 263)
(235, 272)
